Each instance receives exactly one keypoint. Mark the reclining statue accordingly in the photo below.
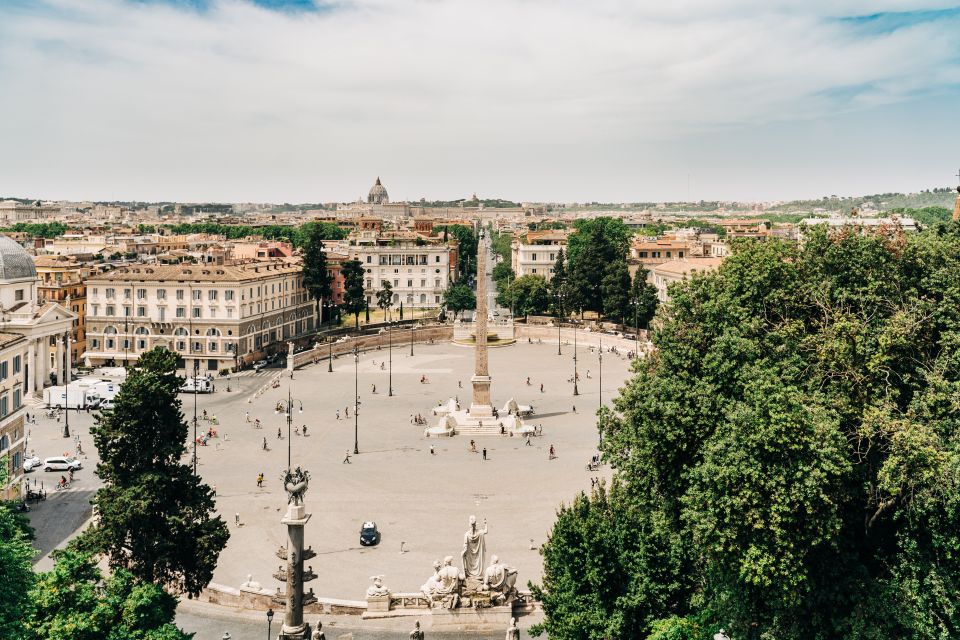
(500, 580)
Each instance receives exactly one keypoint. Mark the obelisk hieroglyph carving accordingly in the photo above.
(481, 406)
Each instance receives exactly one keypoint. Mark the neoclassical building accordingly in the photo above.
(378, 194)
(46, 325)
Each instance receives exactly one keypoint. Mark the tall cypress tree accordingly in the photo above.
(353, 299)
(155, 516)
(316, 279)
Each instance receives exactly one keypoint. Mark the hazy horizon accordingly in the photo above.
(533, 100)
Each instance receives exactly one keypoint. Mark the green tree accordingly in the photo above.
(316, 278)
(155, 518)
(16, 568)
(643, 299)
(385, 297)
(595, 244)
(786, 458)
(527, 295)
(74, 600)
(354, 300)
(459, 297)
(615, 288)
(467, 250)
(558, 284)
(502, 274)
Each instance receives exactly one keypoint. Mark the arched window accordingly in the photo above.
(4, 443)
(213, 332)
(110, 331)
(142, 331)
(180, 332)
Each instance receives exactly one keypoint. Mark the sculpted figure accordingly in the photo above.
(499, 577)
(295, 482)
(377, 589)
(474, 549)
(513, 631)
(449, 589)
(416, 634)
(432, 585)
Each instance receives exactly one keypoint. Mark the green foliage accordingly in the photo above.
(925, 215)
(501, 244)
(38, 229)
(558, 284)
(643, 299)
(527, 295)
(299, 236)
(316, 278)
(16, 569)
(502, 275)
(675, 628)
(155, 516)
(467, 251)
(74, 600)
(354, 300)
(787, 458)
(385, 296)
(459, 297)
(615, 287)
(592, 251)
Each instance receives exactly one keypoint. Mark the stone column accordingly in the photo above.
(58, 363)
(293, 625)
(481, 378)
(32, 367)
(69, 372)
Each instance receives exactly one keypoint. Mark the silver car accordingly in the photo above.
(61, 464)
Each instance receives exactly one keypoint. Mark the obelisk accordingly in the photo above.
(480, 407)
(296, 518)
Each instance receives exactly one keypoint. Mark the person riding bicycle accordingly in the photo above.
(63, 482)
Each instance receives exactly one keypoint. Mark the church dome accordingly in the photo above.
(378, 194)
(15, 262)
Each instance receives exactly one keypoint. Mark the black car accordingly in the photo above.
(369, 534)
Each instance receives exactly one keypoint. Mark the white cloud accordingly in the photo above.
(105, 97)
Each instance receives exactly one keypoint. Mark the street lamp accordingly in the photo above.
(411, 333)
(576, 391)
(66, 388)
(559, 314)
(269, 621)
(196, 373)
(356, 397)
(390, 356)
(289, 414)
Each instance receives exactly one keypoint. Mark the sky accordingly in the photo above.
(530, 100)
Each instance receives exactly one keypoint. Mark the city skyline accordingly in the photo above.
(237, 101)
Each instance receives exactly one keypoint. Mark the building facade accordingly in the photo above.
(535, 252)
(63, 280)
(13, 438)
(418, 271)
(216, 317)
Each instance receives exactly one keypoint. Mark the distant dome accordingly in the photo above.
(378, 194)
(15, 262)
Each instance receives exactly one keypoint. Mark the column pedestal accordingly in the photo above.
(294, 627)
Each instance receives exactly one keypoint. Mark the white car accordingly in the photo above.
(62, 464)
(260, 364)
(31, 463)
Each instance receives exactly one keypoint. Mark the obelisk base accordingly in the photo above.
(302, 633)
(481, 407)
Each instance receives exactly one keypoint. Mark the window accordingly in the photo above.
(212, 347)
(110, 292)
(181, 345)
(228, 296)
(533, 256)
(141, 312)
(141, 344)
(17, 399)
(110, 310)
(17, 364)
(369, 259)
(409, 283)
(18, 295)
(212, 294)
(437, 259)
(110, 343)
(196, 313)
(179, 294)
(436, 283)
(141, 294)
(95, 343)
(161, 294)
(126, 294)
(196, 294)
(423, 283)
(4, 370)
(181, 312)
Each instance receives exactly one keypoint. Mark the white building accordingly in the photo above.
(214, 316)
(12, 212)
(419, 272)
(535, 252)
(13, 438)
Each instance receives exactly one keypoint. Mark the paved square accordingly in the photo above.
(421, 499)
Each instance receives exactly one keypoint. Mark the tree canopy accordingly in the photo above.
(786, 460)
(459, 297)
(467, 251)
(16, 565)
(155, 517)
(316, 278)
(527, 295)
(354, 300)
(594, 254)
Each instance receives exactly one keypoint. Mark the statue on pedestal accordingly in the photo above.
(513, 631)
(416, 634)
(295, 482)
(474, 551)
(377, 589)
(500, 580)
(448, 580)
(430, 587)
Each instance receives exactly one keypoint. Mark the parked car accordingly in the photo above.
(31, 463)
(369, 534)
(62, 464)
(259, 364)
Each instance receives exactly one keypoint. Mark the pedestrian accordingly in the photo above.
(541, 387)
(264, 443)
(553, 453)
(432, 452)
(248, 416)
(528, 441)
(346, 411)
(459, 384)
(279, 436)
(484, 453)
(296, 430)
(346, 458)
(574, 408)
(260, 479)
(304, 431)
(236, 518)
(338, 414)
(473, 446)
(28, 417)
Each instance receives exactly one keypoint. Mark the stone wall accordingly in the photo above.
(548, 335)
(401, 339)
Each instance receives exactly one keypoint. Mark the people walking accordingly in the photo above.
(264, 443)
(528, 443)
(541, 387)
(260, 480)
(346, 458)
(248, 416)
(553, 453)
(432, 452)
(484, 453)
(304, 431)
(338, 414)
(279, 434)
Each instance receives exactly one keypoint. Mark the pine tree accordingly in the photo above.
(353, 299)
(155, 517)
(615, 288)
(643, 299)
(316, 278)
